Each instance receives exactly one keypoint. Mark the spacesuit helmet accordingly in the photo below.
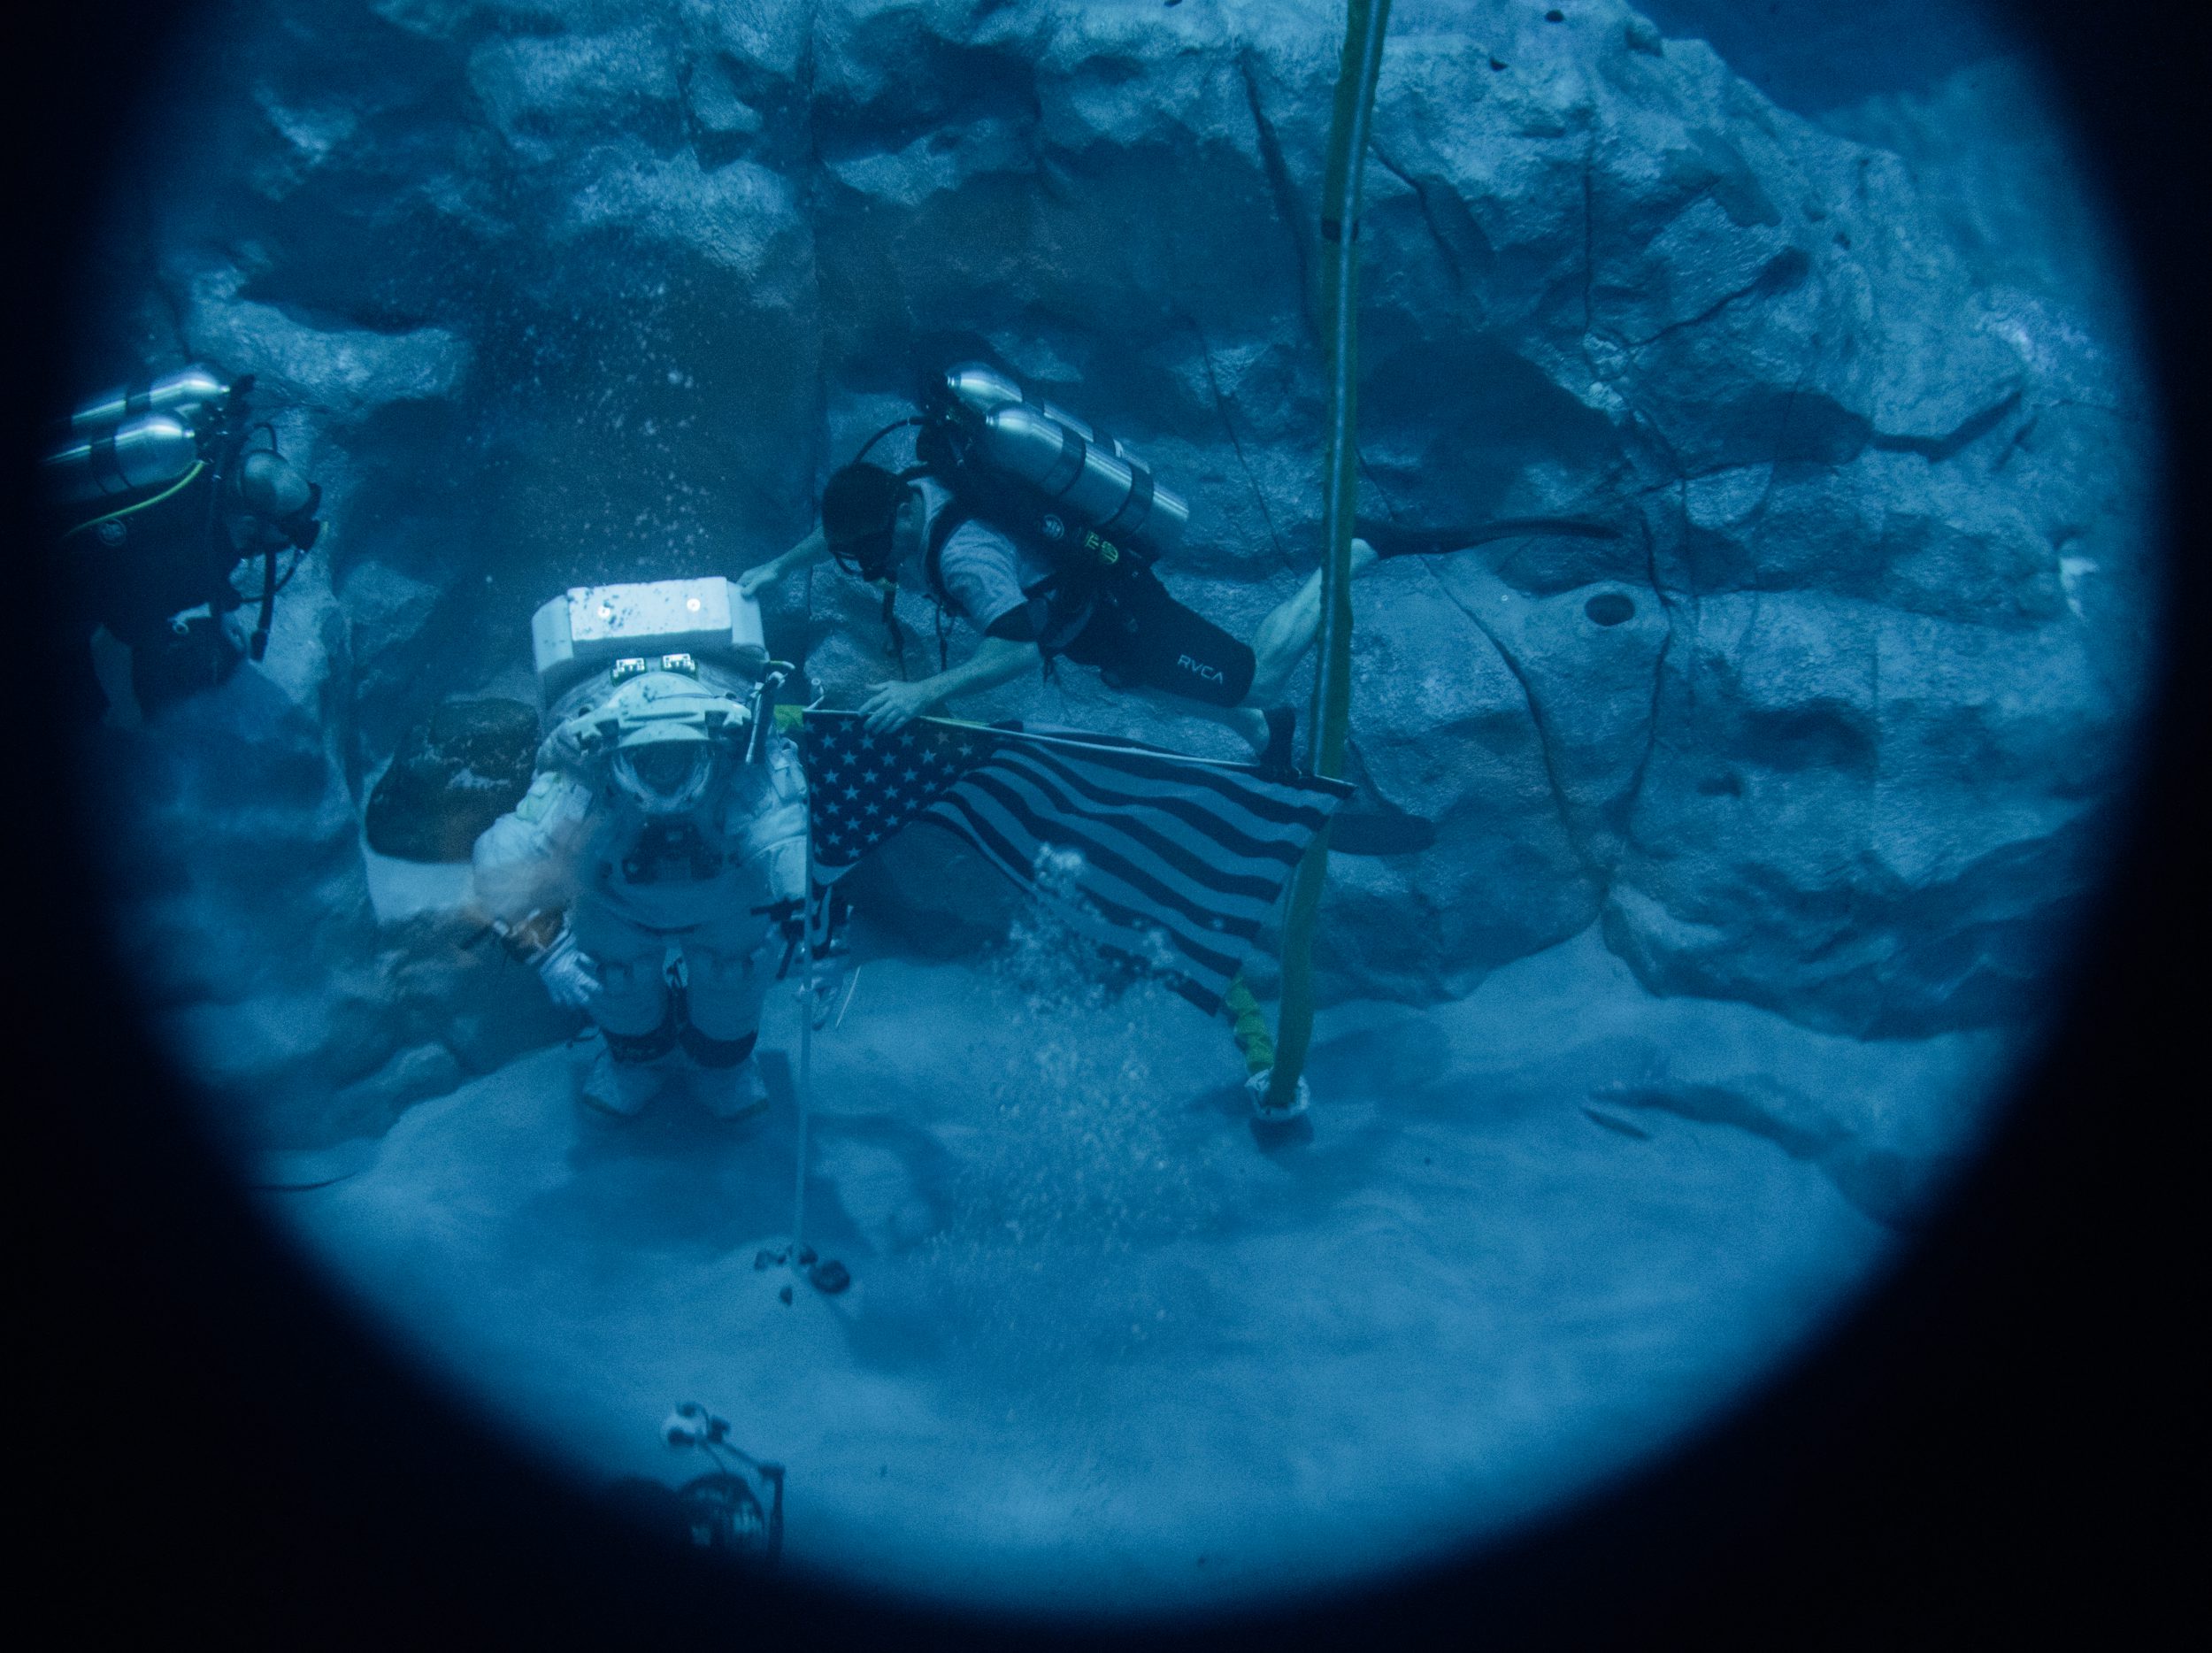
(664, 776)
(667, 737)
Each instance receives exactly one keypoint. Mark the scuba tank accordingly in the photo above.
(166, 466)
(131, 456)
(133, 437)
(988, 418)
(181, 391)
(1035, 471)
(138, 438)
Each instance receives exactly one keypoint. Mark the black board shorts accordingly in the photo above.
(1139, 636)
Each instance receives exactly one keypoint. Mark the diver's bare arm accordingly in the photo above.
(998, 660)
(813, 549)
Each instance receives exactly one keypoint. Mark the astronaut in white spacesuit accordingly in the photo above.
(667, 815)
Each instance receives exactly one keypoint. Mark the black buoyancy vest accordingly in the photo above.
(1084, 561)
(171, 554)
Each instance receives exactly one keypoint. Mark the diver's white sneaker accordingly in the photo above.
(731, 1092)
(621, 1089)
(1256, 1087)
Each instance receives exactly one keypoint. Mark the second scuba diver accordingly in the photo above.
(162, 494)
(1041, 533)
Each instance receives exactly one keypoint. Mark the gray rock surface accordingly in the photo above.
(582, 291)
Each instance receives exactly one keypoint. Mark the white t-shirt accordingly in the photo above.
(988, 575)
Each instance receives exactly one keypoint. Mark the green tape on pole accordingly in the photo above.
(1249, 1027)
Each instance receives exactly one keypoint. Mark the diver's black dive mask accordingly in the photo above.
(873, 555)
(873, 558)
(301, 526)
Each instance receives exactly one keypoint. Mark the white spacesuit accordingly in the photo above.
(667, 815)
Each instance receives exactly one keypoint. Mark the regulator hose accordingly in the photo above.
(176, 487)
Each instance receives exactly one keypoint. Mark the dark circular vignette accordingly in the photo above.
(222, 1449)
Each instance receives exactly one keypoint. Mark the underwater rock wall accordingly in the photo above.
(576, 290)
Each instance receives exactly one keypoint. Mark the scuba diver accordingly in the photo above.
(162, 491)
(667, 814)
(1041, 533)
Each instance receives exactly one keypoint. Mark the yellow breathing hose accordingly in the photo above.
(176, 487)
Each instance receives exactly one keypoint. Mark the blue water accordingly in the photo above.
(1737, 855)
(1815, 55)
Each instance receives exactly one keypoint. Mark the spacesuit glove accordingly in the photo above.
(570, 976)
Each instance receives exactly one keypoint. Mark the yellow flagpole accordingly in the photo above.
(1365, 21)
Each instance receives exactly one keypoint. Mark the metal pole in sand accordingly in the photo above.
(806, 1046)
(1366, 21)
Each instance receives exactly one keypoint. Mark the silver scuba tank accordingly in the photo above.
(1093, 474)
(138, 453)
(185, 389)
(984, 390)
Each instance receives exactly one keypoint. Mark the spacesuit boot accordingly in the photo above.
(724, 1075)
(619, 1086)
(733, 1093)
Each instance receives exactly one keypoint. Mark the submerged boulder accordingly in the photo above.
(452, 778)
(604, 292)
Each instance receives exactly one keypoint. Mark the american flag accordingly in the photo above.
(1172, 859)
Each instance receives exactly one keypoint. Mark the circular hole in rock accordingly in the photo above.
(1610, 608)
